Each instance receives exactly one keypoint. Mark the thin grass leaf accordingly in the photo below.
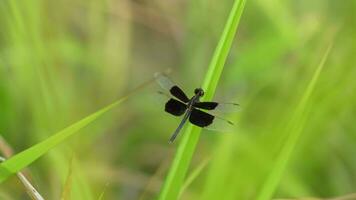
(215, 182)
(32, 192)
(101, 197)
(26, 157)
(67, 189)
(81, 184)
(178, 170)
(195, 173)
(295, 129)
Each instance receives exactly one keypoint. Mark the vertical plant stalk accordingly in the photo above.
(295, 128)
(176, 175)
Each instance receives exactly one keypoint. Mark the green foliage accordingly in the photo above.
(26, 157)
(294, 128)
(294, 136)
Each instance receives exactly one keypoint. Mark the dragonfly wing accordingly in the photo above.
(209, 121)
(200, 118)
(207, 105)
(179, 94)
(221, 125)
(171, 87)
(175, 107)
(218, 107)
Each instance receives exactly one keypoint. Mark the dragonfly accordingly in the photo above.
(199, 113)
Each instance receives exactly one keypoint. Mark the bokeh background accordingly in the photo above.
(62, 60)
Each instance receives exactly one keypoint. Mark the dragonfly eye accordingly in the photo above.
(199, 92)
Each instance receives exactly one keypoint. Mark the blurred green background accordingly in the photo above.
(62, 60)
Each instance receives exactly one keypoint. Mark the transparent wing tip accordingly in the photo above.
(157, 75)
(164, 73)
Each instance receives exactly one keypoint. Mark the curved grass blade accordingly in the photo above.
(26, 157)
(178, 170)
(67, 189)
(194, 175)
(101, 197)
(295, 128)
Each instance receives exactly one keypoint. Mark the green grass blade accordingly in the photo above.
(67, 188)
(222, 50)
(178, 170)
(194, 175)
(101, 197)
(218, 171)
(295, 129)
(26, 157)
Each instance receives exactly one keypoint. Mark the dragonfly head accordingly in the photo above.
(199, 92)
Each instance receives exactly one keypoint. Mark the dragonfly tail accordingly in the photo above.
(176, 132)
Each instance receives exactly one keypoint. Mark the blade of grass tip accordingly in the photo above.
(223, 156)
(193, 176)
(81, 189)
(66, 193)
(177, 172)
(295, 128)
(26, 157)
(101, 197)
(154, 183)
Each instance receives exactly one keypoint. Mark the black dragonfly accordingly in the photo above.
(179, 104)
